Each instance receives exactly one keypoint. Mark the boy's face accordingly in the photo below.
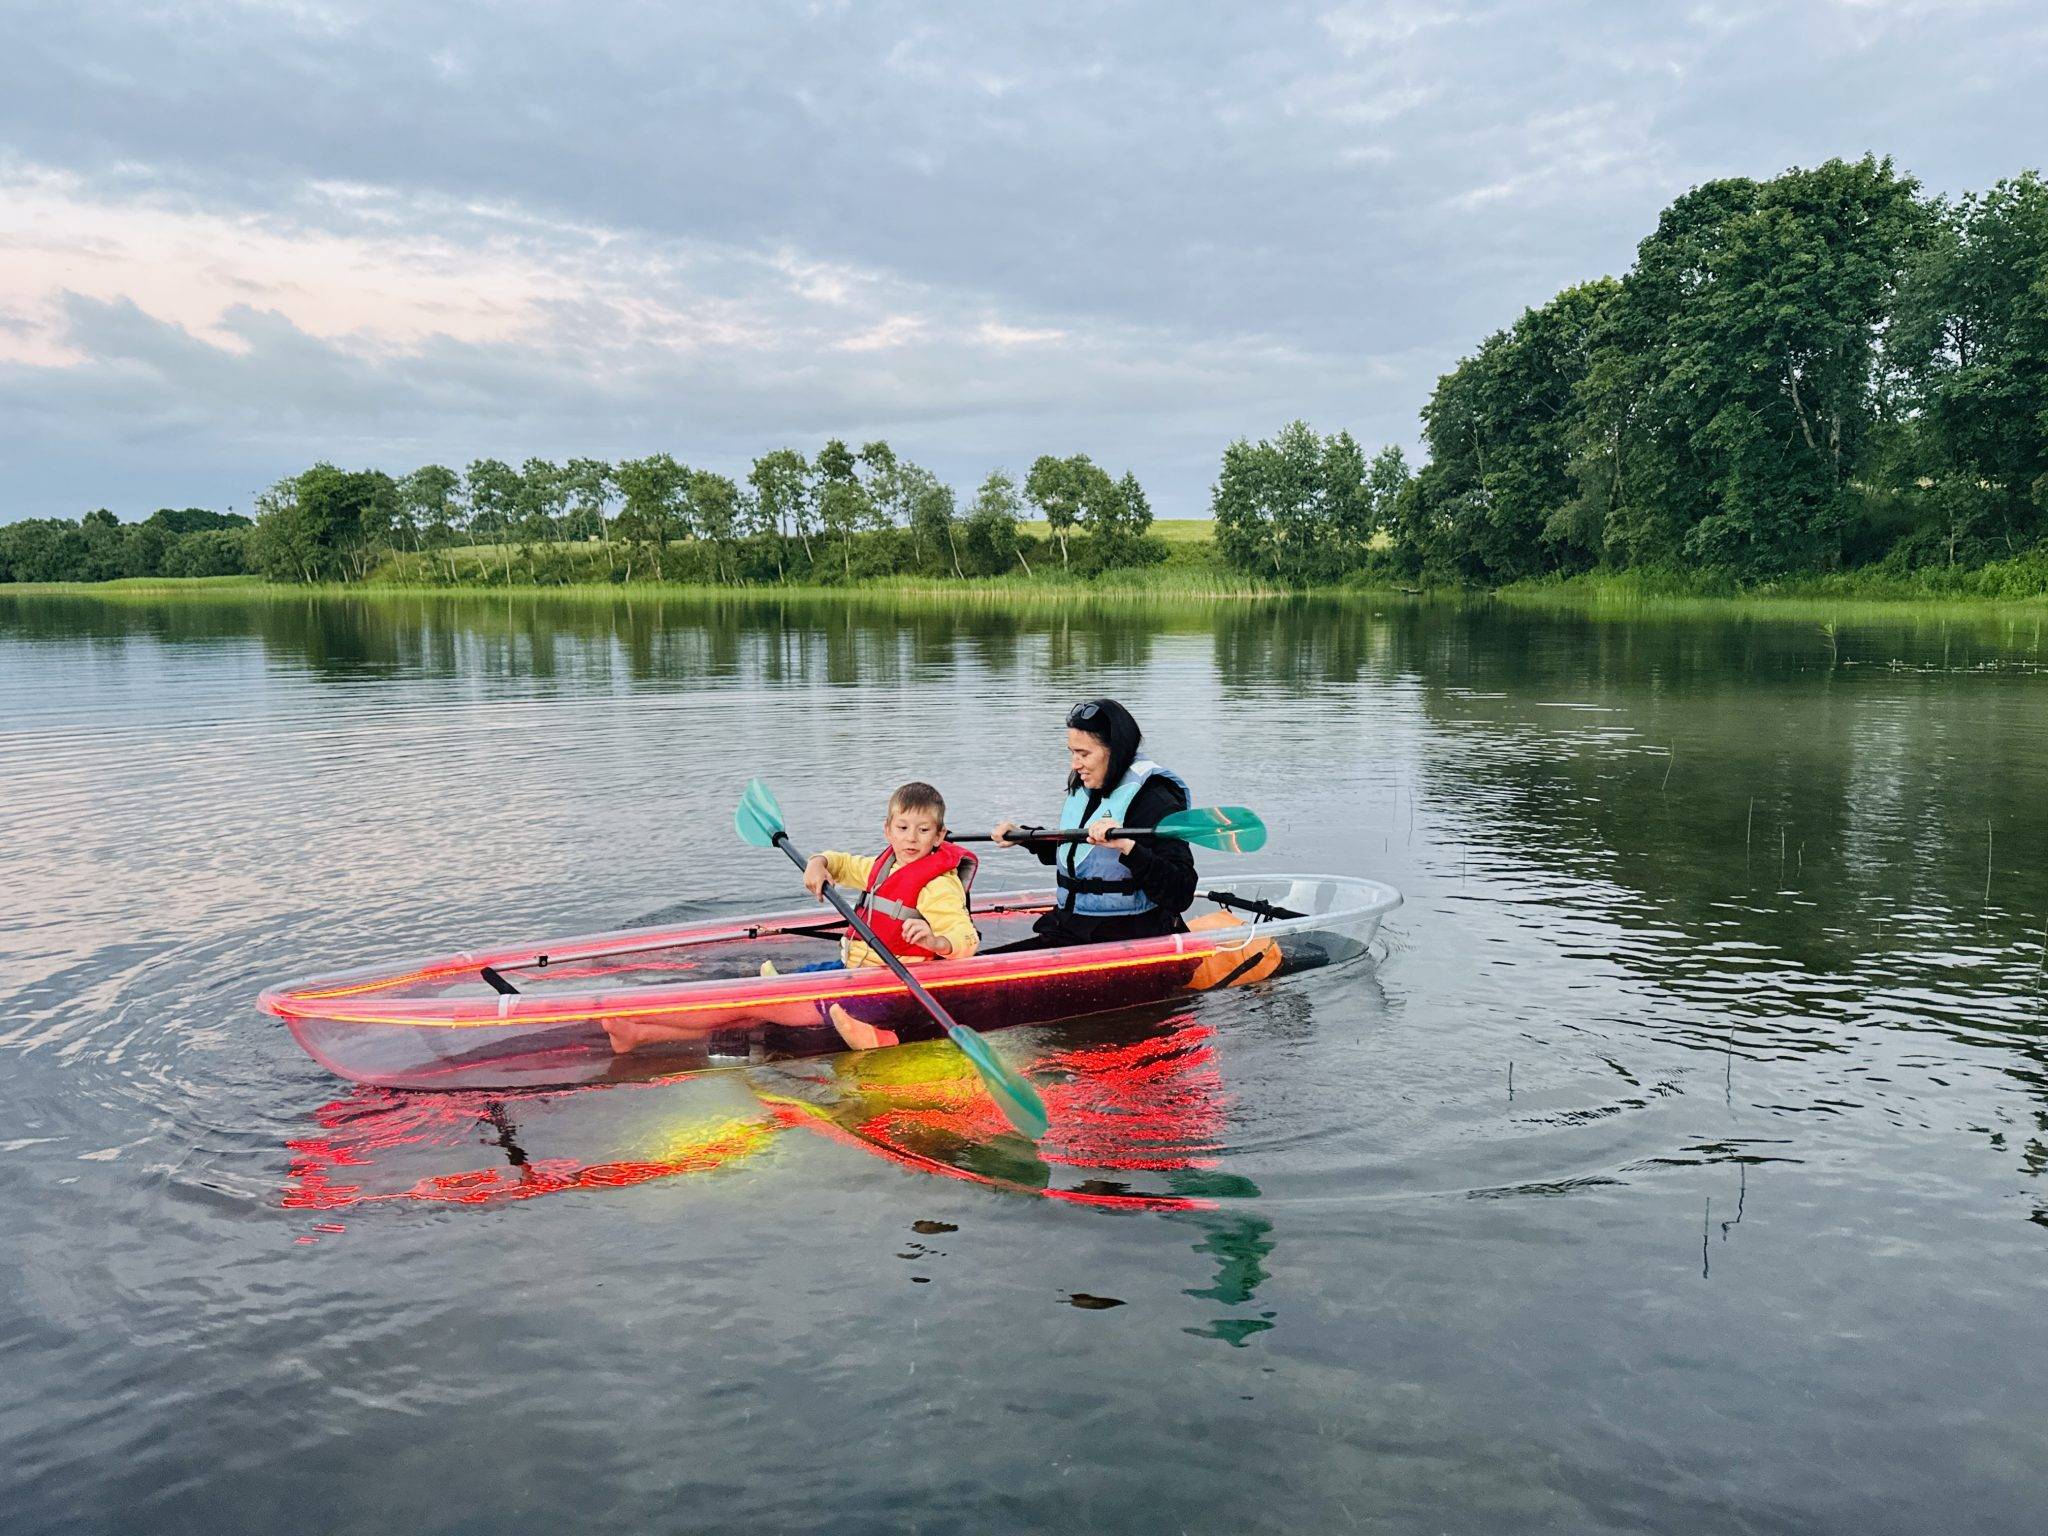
(913, 834)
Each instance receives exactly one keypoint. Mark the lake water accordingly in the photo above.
(1675, 1165)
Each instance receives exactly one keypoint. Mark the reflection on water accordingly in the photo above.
(1147, 1100)
(1678, 1165)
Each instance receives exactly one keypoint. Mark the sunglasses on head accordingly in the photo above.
(1081, 714)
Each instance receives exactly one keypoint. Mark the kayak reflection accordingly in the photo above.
(1138, 1113)
(1137, 1122)
(375, 1145)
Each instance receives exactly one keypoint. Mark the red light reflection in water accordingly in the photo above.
(1153, 1105)
(375, 1129)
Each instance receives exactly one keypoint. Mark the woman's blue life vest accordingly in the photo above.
(1095, 881)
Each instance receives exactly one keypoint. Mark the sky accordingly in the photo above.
(240, 236)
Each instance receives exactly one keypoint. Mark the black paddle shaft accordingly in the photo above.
(931, 1004)
(1041, 835)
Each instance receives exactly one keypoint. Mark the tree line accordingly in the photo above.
(1809, 374)
(187, 541)
(838, 517)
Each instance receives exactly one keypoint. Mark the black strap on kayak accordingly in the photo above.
(498, 983)
(813, 931)
(1258, 953)
(1247, 904)
(1089, 886)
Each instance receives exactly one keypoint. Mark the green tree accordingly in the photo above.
(935, 536)
(1502, 432)
(1237, 510)
(1387, 480)
(1731, 401)
(714, 512)
(1968, 348)
(781, 483)
(42, 549)
(491, 487)
(843, 504)
(1118, 517)
(988, 535)
(539, 503)
(654, 493)
(144, 548)
(591, 487)
(1298, 507)
(208, 552)
(1054, 487)
(430, 502)
(104, 541)
(326, 524)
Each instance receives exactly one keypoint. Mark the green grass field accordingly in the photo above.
(1178, 531)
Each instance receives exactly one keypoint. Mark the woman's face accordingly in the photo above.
(1088, 756)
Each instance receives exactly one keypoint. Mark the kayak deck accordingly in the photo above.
(656, 1000)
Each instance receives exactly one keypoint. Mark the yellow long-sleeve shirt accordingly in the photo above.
(942, 903)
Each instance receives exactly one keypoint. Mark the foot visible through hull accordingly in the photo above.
(857, 1035)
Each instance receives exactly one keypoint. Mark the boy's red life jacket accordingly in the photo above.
(889, 899)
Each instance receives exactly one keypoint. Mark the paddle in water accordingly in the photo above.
(759, 820)
(1226, 828)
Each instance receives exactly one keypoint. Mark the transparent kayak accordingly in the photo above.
(657, 1000)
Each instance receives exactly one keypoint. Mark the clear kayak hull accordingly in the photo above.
(657, 1000)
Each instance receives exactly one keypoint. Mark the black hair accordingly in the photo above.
(1115, 727)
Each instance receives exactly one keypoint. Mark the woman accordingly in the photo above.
(1111, 888)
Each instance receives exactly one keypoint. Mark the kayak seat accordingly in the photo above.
(1238, 966)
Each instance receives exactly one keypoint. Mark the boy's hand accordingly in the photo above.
(1001, 835)
(815, 876)
(919, 932)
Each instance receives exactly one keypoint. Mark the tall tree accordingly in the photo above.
(1118, 516)
(934, 535)
(1054, 487)
(428, 499)
(1734, 386)
(1968, 349)
(989, 532)
(491, 487)
(1297, 507)
(654, 492)
(542, 497)
(843, 505)
(781, 482)
(591, 487)
(324, 524)
(1501, 433)
(714, 503)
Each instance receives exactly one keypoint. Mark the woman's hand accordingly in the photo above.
(1001, 835)
(1098, 834)
(816, 876)
(919, 932)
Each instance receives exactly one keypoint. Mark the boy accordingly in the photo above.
(913, 895)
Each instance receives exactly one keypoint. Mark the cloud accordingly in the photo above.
(1365, 28)
(365, 325)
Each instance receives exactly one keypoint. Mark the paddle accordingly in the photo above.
(1226, 828)
(759, 820)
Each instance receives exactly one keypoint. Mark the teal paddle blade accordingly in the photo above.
(1227, 828)
(759, 818)
(1013, 1092)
